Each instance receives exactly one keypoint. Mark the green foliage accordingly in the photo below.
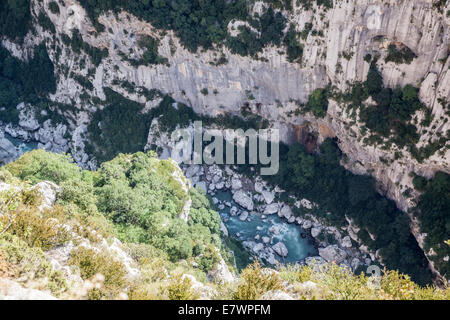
(53, 7)
(390, 119)
(150, 46)
(209, 259)
(269, 29)
(119, 127)
(294, 49)
(180, 288)
(20, 81)
(15, 18)
(45, 22)
(374, 82)
(77, 44)
(433, 212)
(307, 4)
(255, 281)
(333, 282)
(420, 183)
(400, 55)
(141, 195)
(28, 262)
(92, 263)
(318, 103)
(39, 165)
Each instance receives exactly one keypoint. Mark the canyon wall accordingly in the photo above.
(349, 31)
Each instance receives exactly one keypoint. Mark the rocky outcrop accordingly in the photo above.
(241, 198)
(11, 290)
(280, 249)
(333, 254)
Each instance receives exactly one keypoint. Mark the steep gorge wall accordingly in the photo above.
(351, 30)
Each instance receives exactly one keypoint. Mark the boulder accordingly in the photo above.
(271, 209)
(220, 185)
(286, 212)
(257, 247)
(233, 211)
(333, 254)
(355, 264)
(308, 285)
(192, 170)
(242, 199)
(258, 187)
(201, 185)
(306, 203)
(307, 225)
(243, 216)
(280, 249)
(8, 151)
(315, 232)
(275, 230)
(268, 196)
(236, 183)
(312, 261)
(346, 242)
(221, 274)
(224, 229)
(265, 240)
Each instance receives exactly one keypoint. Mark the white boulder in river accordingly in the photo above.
(243, 216)
(271, 209)
(274, 229)
(280, 249)
(242, 199)
(286, 212)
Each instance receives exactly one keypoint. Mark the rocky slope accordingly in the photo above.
(349, 31)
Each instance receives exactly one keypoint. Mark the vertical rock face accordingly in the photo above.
(336, 55)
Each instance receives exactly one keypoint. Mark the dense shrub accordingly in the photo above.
(255, 281)
(54, 7)
(337, 283)
(433, 212)
(318, 103)
(119, 127)
(400, 55)
(91, 263)
(29, 262)
(15, 18)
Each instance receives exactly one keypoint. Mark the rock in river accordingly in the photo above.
(242, 199)
(280, 249)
